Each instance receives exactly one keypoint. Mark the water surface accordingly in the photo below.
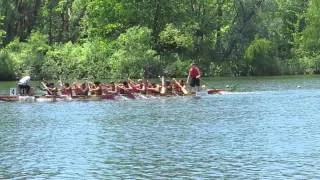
(268, 129)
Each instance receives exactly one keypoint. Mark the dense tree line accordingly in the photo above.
(145, 38)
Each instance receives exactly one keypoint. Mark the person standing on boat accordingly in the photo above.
(194, 75)
(24, 88)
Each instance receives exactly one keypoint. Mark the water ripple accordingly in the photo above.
(265, 135)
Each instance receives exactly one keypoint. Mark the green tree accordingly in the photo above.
(2, 31)
(61, 20)
(310, 36)
(133, 52)
(260, 56)
(26, 57)
(100, 38)
(67, 61)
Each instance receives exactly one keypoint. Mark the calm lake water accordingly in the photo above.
(268, 129)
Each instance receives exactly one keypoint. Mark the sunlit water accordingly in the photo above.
(268, 129)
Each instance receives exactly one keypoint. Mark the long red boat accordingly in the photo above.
(50, 98)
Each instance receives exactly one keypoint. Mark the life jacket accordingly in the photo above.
(78, 91)
(194, 72)
(67, 91)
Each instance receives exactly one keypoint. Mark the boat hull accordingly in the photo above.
(54, 98)
(92, 98)
(216, 91)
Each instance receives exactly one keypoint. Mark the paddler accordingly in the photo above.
(81, 90)
(66, 90)
(179, 87)
(125, 88)
(182, 84)
(97, 89)
(23, 87)
(112, 88)
(142, 86)
(194, 76)
(169, 88)
(154, 89)
(51, 89)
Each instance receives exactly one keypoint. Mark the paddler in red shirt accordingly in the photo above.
(194, 75)
(66, 90)
(81, 90)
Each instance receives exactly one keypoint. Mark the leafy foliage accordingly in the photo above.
(26, 57)
(133, 52)
(260, 56)
(311, 36)
(101, 39)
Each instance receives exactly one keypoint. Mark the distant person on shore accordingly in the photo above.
(194, 76)
(23, 86)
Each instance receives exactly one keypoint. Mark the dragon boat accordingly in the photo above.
(57, 98)
(51, 98)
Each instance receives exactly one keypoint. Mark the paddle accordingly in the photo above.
(133, 85)
(127, 92)
(60, 86)
(233, 88)
(88, 85)
(60, 81)
(182, 88)
(163, 89)
(46, 88)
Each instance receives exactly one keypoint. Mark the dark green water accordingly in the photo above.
(268, 129)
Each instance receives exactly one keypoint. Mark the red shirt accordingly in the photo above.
(67, 91)
(194, 72)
